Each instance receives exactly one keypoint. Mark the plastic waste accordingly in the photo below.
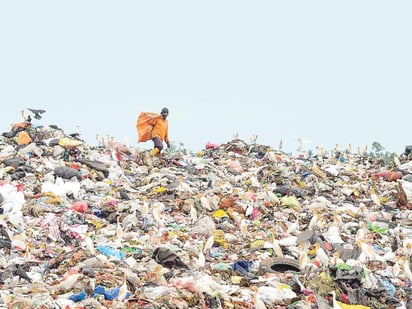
(270, 295)
(53, 220)
(111, 252)
(377, 229)
(78, 230)
(109, 294)
(144, 125)
(69, 142)
(13, 200)
(80, 206)
(243, 268)
(212, 146)
(78, 296)
(291, 202)
(156, 291)
(219, 238)
(388, 176)
(221, 266)
(219, 214)
(97, 212)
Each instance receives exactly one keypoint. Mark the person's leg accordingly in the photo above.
(158, 145)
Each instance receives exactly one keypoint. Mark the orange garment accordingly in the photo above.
(161, 129)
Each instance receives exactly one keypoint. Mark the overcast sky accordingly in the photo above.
(329, 72)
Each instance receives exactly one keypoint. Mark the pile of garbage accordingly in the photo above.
(235, 225)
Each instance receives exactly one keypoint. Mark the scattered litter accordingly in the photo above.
(235, 225)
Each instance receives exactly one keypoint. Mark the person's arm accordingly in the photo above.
(167, 136)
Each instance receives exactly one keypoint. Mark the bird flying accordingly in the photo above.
(37, 112)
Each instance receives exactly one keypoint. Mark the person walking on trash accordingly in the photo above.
(160, 132)
(155, 127)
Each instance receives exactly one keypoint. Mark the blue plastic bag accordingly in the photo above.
(109, 251)
(108, 294)
(78, 297)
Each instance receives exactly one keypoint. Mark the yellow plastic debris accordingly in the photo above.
(53, 200)
(291, 202)
(219, 238)
(312, 251)
(347, 306)
(220, 213)
(49, 194)
(317, 171)
(9, 169)
(282, 286)
(236, 279)
(257, 244)
(158, 190)
(161, 189)
(96, 223)
(69, 142)
(300, 183)
(384, 199)
(228, 304)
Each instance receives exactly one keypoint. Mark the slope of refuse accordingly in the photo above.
(235, 225)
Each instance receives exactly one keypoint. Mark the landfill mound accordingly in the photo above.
(235, 225)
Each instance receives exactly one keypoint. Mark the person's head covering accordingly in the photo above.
(164, 112)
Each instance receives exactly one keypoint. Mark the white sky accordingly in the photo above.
(325, 71)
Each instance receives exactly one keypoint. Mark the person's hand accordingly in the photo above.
(168, 144)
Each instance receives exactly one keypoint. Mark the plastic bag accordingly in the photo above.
(109, 294)
(144, 125)
(112, 252)
(23, 138)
